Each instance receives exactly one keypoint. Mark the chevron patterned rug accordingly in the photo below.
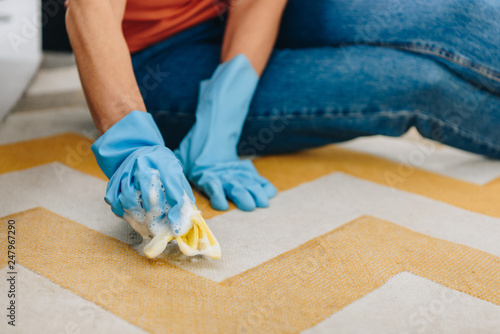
(378, 235)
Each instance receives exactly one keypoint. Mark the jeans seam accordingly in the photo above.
(393, 114)
(471, 136)
(447, 55)
(389, 114)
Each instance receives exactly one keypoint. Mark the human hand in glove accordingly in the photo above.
(148, 189)
(208, 152)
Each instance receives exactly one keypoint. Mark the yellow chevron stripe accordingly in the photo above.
(292, 292)
(285, 171)
(70, 149)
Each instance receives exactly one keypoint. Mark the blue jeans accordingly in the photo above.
(343, 69)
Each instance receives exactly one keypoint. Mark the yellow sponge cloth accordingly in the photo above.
(199, 240)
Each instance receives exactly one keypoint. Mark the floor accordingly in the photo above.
(377, 235)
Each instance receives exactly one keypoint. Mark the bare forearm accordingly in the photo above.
(251, 29)
(103, 59)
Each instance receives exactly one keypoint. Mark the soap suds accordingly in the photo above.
(156, 230)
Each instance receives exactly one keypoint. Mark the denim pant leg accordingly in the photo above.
(330, 94)
(322, 94)
(464, 34)
(461, 35)
(168, 74)
(454, 100)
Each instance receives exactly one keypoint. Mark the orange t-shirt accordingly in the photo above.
(149, 21)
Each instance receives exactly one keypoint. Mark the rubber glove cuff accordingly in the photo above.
(223, 105)
(137, 129)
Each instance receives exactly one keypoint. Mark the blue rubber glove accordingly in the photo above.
(147, 186)
(208, 153)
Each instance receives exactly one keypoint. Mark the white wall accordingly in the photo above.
(20, 48)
